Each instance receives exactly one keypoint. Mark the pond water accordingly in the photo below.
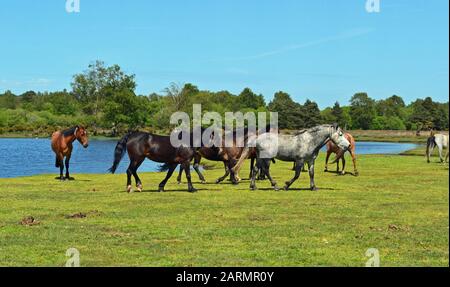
(24, 157)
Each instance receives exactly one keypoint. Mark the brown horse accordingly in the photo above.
(142, 145)
(332, 148)
(62, 146)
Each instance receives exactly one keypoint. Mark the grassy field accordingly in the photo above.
(399, 205)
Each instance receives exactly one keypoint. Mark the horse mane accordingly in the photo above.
(70, 131)
(313, 129)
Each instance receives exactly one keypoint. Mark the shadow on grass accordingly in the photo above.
(72, 179)
(338, 173)
(297, 189)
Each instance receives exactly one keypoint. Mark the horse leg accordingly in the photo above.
(67, 167)
(136, 177)
(252, 166)
(227, 173)
(266, 170)
(352, 153)
(430, 152)
(187, 170)
(129, 174)
(327, 159)
(298, 170)
(343, 166)
(440, 152)
(337, 166)
(197, 169)
(172, 168)
(255, 172)
(180, 173)
(234, 176)
(311, 175)
(61, 168)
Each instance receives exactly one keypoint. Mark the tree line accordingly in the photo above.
(104, 98)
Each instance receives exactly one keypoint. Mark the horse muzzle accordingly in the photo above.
(85, 145)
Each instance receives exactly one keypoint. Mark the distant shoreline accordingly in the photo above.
(360, 135)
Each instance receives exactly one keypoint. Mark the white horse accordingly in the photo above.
(301, 148)
(440, 141)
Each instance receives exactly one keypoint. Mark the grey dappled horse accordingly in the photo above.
(301, 148)
(440, 141)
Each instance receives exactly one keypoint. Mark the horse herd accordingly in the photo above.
(262, 147)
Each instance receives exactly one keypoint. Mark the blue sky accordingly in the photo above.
(324, 50)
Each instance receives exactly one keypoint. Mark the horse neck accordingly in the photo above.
(70, 138)
(321, 136)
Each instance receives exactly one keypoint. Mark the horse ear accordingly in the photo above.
(335, 126)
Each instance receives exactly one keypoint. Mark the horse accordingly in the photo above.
(439, 140)
(300, 148)
(212, 154)
(62, 146)
(332, 148)
(158, 148)
(231, 152)
(226, 154)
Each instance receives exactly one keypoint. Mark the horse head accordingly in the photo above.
(337, 136)
(81, 135)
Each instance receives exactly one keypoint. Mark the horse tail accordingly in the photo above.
(241, 160)
(431, 143)
(119, 152)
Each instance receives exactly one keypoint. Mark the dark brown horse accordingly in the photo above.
(142, 145)
(212, 154)
(62, 145)
(226, 153)
(332, 148)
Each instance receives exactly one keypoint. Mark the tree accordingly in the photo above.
(311, 114)
(427, 114)
(249, 100)
(177, 96)
(93, 86)
(362, 111)
(391, 107)
(8, 100)
(124, 108)
(289, 112)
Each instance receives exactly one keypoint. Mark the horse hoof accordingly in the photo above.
(314, 188)
(342, 173)
(203, 181)
(276, 188)
(356, 173)
(129, 189)
(253, 188)
(179, 182)
(161, 190)
(325, 170)
(139, 188)
(192, 190)
(286, 188)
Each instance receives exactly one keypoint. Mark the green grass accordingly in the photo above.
(399, 205)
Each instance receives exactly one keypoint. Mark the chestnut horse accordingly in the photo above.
(62, 146)
(332, 148)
